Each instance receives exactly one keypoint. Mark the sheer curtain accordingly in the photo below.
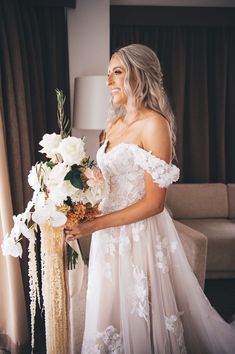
(13, 320)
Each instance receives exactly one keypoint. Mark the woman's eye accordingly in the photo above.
(116, 72)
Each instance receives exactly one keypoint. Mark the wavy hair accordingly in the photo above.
(144, 85)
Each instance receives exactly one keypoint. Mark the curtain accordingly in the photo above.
(33, 50)
(13, 319)
(199, 75)
(33, 63)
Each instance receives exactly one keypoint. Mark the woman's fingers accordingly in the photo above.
(72, 233)
(69, 238)
(67, 229)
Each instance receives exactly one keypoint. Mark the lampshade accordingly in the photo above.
(91, 99)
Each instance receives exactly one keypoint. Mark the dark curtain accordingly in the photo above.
(33, 62)
(199, 75)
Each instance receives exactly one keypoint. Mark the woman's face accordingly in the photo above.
(115, 80)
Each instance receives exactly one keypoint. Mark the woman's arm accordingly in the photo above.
(156, 138)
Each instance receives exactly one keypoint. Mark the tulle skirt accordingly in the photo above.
(143, 297)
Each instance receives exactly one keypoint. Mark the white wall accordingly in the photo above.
(88, 40)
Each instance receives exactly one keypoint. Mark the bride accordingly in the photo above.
(142, 295)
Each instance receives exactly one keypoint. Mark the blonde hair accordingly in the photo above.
(144, 70)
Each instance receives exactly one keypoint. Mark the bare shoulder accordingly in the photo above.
(154, 121)
(156, 135)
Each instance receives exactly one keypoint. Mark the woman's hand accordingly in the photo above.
(80, 230)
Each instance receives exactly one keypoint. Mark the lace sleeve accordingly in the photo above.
(162, 173)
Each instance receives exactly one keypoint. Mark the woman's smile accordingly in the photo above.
(115, 80)
(115, 91)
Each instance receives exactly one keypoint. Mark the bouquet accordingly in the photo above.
(67, 189)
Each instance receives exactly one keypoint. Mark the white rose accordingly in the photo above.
(50, 144)
(79, 197)
(11, 248)
(93, 195)
(68, 188)
(57, 175)
(72, 150)
(58, 194)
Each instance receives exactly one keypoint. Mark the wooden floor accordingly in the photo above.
(221, 294)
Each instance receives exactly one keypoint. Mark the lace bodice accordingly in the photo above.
(123, 169)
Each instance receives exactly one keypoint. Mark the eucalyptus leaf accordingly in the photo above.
(68, 176)
(76, 181)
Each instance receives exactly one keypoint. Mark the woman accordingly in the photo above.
(142, 295)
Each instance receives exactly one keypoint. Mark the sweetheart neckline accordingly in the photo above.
(134, 145)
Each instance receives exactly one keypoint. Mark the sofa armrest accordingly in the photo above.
(195, 247)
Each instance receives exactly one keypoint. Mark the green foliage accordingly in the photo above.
(72, 257)
(74, 176)
(63, 122)
(87, 162)
(51, 164)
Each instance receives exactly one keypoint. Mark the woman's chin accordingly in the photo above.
(118, 101)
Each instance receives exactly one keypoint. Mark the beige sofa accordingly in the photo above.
(209, 209)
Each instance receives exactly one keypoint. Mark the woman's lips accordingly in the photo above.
(115, 91)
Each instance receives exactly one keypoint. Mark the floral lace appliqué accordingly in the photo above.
(124, 241)
(108, 272)
(140, 305)
(174, 325)
(110, 245)
(107, 342)
(90, 348)
(162, 173)
(163, 249)
(137, 230)
(110, 341)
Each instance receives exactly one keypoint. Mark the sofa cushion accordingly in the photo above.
(231, 200)
(198, 200)
(221, 242)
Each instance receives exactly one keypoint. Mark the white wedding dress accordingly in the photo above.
(142, 295)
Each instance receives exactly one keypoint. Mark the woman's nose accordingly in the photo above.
(109, 80)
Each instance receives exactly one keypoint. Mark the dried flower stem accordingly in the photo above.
(63, 121)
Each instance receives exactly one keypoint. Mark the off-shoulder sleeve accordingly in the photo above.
(162, 173)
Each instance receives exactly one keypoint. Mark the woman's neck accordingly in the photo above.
(134, 113)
